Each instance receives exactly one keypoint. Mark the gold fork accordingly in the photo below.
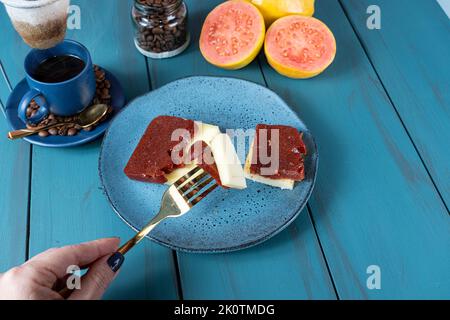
(181, 196)
(178, 199)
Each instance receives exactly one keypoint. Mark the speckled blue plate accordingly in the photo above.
(117, 103)
(228, 219)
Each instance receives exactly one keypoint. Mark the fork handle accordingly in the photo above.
(117, 259)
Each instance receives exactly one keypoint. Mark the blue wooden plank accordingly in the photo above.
(289, 266)
(410, 54)
(14, 171)
(374, 202)
(67, 204)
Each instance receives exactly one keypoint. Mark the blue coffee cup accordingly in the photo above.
(64, 98)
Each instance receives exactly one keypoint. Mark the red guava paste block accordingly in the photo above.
(291, 152)
(201, 152)
(152, 158)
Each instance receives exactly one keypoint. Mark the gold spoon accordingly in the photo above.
(89, 117)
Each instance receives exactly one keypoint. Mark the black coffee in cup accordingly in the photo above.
(58, 69)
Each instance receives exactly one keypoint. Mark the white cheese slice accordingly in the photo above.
(228, 163)
(203, 132)
(287, 184)
(178, 173)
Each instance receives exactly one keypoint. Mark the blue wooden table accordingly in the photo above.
(381, 117)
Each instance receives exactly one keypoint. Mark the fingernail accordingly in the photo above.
(116, 261)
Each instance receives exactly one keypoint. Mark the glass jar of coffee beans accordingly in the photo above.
(161, 27)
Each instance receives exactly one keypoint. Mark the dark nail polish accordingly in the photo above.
(116, 261)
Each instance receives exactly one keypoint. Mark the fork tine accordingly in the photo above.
(203, 195)
(198, 187)
(193, 183)
(181, 182)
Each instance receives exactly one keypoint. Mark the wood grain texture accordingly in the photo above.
(14, 174)
(290, 265)
(14, 170)
(67, 204)
(411, 56)
(374, 203)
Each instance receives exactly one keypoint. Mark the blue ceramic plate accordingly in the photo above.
(228, 219)
(117, 101)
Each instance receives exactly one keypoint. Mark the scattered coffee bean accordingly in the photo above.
(72, 132)
(53, 131)
(43, 134)
(62, 131)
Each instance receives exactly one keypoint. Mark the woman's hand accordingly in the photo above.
(43, 276)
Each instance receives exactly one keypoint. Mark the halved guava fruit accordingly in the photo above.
(232, 35)
(299, 47)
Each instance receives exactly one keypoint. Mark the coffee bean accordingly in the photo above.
(157, 3)
(43, 134)
(53, 131)
(157, 31)
(72, 131)
(62, 131)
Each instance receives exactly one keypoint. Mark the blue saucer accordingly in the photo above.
(117, 101)
(226, 220)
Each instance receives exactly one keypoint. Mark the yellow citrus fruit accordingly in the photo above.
(274, 9)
